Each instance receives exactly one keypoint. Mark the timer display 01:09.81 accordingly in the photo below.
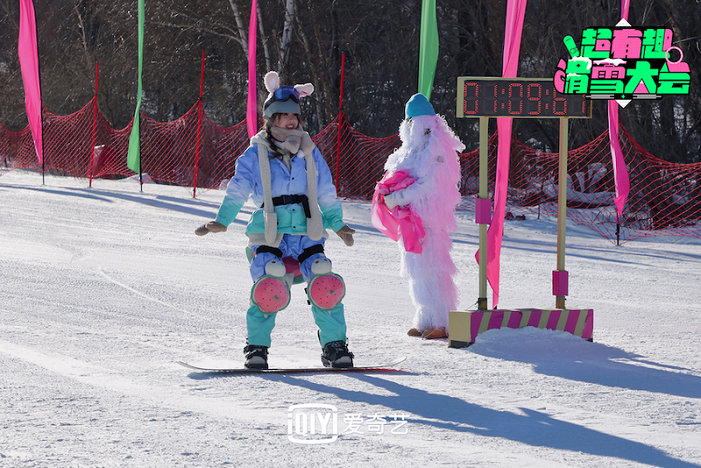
(517, 97)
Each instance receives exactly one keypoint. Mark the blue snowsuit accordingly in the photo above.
(291, 222)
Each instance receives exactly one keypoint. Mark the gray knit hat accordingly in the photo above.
(283, 99)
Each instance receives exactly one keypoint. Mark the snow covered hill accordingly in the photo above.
(103, 289)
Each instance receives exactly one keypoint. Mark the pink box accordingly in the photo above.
(483, 211)
(560, 283)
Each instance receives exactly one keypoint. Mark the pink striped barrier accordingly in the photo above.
(464, 326)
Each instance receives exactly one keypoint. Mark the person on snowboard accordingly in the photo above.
(415, 201)
(290, 183)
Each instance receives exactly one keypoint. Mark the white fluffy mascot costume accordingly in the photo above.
(429, 155)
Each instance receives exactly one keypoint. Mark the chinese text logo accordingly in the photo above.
(623, 63)
(312, 423)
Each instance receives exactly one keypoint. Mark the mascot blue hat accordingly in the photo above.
(418, 105)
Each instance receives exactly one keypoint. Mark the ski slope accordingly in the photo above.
(103, 289)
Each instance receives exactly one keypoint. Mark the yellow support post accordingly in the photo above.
(562, 205)
(483, 194)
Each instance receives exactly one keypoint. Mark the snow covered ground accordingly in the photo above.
(103, 289)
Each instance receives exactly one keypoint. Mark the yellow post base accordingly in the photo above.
(464, 326)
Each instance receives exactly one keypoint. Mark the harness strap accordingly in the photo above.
(309, 251)
(273, 250)
(291, 200)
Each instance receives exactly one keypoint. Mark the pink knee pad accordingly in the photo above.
(326, 291)
(270, 294)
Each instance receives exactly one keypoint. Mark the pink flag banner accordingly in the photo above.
(620, 171)
(625, 6)
(515, 12)
(29, 64)
(252, 104)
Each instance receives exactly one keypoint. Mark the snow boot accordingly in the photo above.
(336, 354)
(256, 357)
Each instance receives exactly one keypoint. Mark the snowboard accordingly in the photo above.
(378, 369)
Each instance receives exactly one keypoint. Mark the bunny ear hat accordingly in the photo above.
(286, 100)
(305, 89)
(272, 81)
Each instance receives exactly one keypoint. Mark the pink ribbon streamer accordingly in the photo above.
(620, 171)
(29, 64)
(515, 12)
(625, 6)
(251, 105)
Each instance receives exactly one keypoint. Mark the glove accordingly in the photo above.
(346, 234)
(212, 226)
(389, 201)
(307, 145)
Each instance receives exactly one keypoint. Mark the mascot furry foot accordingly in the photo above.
(429, 334)
(434, 333)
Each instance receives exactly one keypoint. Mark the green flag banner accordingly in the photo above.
(134, 155)
(428, 47)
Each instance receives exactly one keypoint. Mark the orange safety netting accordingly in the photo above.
(664, 198)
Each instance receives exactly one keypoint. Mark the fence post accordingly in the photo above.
(340, 120)
(94, 123)
(199, 129)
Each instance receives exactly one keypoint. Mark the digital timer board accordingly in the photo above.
(517, 97)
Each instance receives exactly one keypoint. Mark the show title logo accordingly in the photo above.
(623, 63)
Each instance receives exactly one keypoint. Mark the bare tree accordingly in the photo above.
(286, 36)
(304, 42)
